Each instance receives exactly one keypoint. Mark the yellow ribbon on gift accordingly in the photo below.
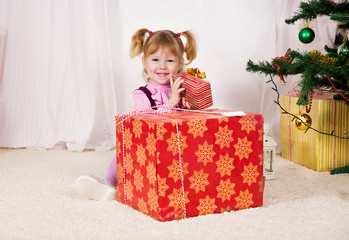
(196, 73)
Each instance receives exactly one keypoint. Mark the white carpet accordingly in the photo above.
(38, 201)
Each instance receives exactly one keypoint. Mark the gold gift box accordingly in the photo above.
(312, 149)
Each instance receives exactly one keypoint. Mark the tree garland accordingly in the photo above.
(284, 111)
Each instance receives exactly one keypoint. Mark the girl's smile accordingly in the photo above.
(161, 66)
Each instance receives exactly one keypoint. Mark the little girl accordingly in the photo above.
(162, 58)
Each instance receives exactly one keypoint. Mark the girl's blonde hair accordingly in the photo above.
(163, 39)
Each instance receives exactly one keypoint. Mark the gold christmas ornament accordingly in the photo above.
(303, 118)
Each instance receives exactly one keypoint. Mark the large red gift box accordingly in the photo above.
(185, 164)
(197, 91)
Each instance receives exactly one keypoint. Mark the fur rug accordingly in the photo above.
(38, 201)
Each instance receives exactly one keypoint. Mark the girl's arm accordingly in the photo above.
(141, 100)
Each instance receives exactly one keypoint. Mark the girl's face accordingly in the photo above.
(161, 66)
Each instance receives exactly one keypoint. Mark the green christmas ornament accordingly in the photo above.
(343, 49)
(306, 35)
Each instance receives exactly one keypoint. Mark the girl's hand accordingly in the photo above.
(185, 103)
(176, 92)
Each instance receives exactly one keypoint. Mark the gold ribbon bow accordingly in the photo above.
(196, 73)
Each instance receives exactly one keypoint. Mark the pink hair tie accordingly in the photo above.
(178, 34)
(150, 32)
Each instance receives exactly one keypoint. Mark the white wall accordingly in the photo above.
(228, 34)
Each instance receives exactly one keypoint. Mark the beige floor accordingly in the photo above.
(38, 201)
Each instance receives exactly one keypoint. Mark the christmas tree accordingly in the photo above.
(329, 70)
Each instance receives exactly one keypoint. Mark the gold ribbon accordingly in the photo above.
(322, 58)
(196, 73)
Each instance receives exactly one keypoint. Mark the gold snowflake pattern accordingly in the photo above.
(199, 181)
(119, 173)
(206, 206)
(118, 196)
(151, 144)
(128, 138)
(248, 123)
(138, 180)
(179, 216)
(227, 209)
(162, 186)
(179, 122)
(137, 128)
(197, 128)
(225, 190)
(223, 119)
(129, 190)
(224, 137)
(142, 206)
(175, 170)
(141, 157)
(128, 163)
(205, 153)
(153, 199)
(118, 124)
(225, 165)
(151, 125)
(260, 134)
(250, 174)
(243, 148)
(261, 185)
(176, 199)
(173, 143)
(160, 131)
(151, 173)
(260, 156)
(157, 158)
(118, 149)
(244, 200)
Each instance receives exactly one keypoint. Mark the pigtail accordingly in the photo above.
(190, 48)
(137, 42)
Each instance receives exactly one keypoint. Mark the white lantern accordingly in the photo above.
(269, 153)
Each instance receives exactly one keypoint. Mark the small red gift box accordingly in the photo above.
(197, 91)
(186, 164)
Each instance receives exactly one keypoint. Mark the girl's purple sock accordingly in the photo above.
(111, 172)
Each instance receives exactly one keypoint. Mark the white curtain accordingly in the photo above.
(66, 66)
(56, 86)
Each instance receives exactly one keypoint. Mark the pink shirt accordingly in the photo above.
(160, 93)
